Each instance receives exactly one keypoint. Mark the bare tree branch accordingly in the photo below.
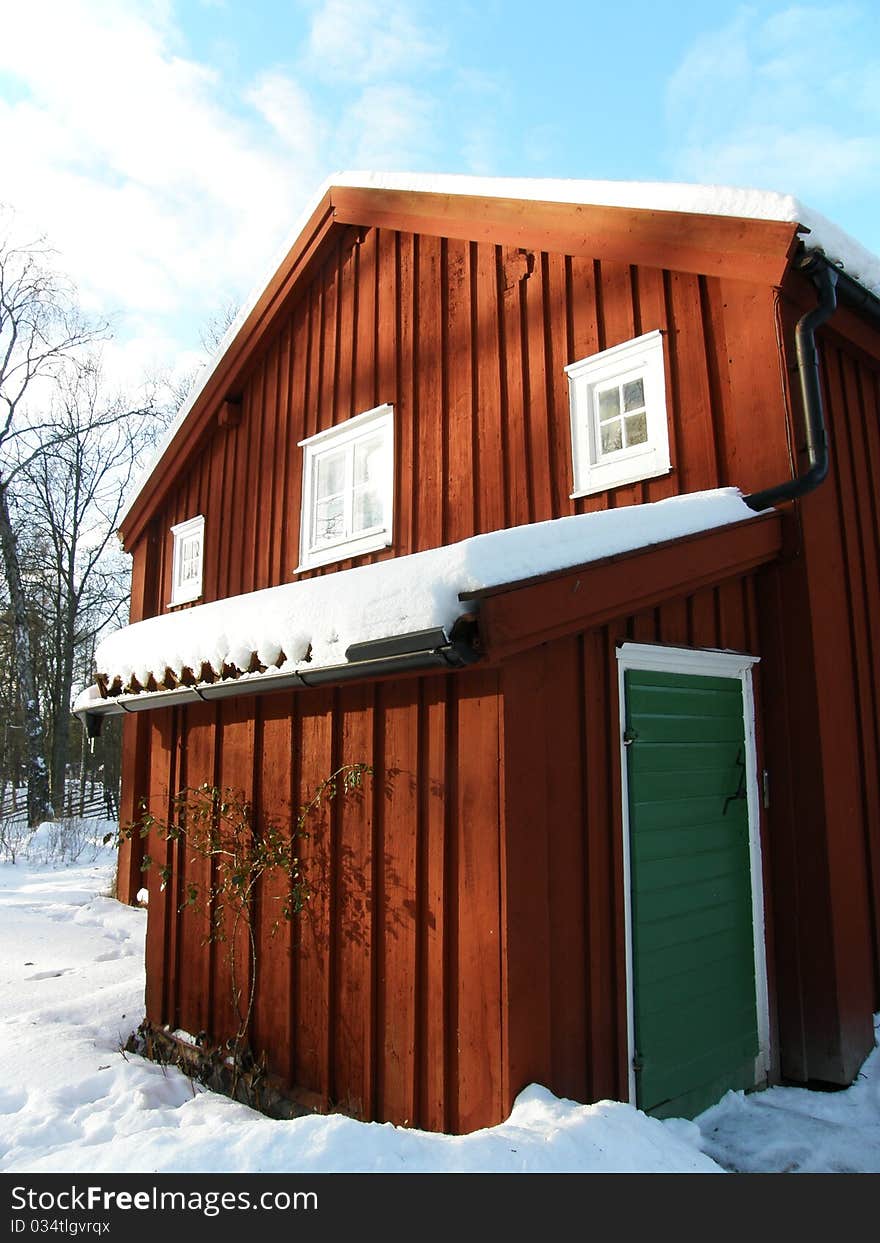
(42, 335)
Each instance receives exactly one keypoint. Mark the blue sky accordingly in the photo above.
(167, 146)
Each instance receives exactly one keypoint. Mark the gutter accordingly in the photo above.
(850, 293)
(416, 652)
(835, 287)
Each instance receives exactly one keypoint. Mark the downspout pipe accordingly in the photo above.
(825, 278)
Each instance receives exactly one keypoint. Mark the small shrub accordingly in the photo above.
(14, 836)
(69, 839)
(218, 825)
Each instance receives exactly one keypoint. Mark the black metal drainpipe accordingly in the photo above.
(825, 278)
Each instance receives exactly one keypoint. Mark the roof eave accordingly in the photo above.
(498, 622)
(421, 652)
(741, 247)
(520, 615)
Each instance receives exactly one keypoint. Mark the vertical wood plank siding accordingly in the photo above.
(841, 556)
(817, 618)
(468, 341)
(852, 387)
(465, 936)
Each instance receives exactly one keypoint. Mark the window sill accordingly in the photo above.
(622, 482)
(347, 552)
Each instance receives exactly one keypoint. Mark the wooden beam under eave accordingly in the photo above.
(229, 369)
(520, 616)
(732, 246)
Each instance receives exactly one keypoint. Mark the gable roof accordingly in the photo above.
(749, 234)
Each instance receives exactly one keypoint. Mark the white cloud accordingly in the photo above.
(390, 126)
(781, 101)
(487, 98)
(167, 185)
(368, 40)
(772, 156)
(146, 361)
(290, 112)
(127, 154)
(479, 148)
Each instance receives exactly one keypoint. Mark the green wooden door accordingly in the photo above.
(694, 995)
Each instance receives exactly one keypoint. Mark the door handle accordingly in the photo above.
(740, 791)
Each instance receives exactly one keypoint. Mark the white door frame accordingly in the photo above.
(712, 663)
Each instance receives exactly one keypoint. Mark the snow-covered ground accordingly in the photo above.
(71, 990)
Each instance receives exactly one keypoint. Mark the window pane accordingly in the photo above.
(368, 510)
(329, 522)
(612, 437)
(634, 394)
(609, 403)
(190, 559)
(330, 474)
(368, 460)
(636, 429)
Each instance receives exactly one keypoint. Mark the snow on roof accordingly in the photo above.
(840, 247)
(311, 623)
(699, 200)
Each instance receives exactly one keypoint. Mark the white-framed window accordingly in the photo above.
(187, 560)
(619, 429)
(348, 489)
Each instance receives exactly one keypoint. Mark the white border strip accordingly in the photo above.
(706, 662)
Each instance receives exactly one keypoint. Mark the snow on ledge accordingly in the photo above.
(311, 623)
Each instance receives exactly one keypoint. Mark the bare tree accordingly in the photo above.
(73, 498)
(41, 335)
(211, 337)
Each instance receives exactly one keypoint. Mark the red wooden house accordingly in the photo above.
(623, 833)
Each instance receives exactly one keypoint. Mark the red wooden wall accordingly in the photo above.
(819, 616)
(468, 341)
(564, 884)
(383, 998)
(466, 936)
(845, 522)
